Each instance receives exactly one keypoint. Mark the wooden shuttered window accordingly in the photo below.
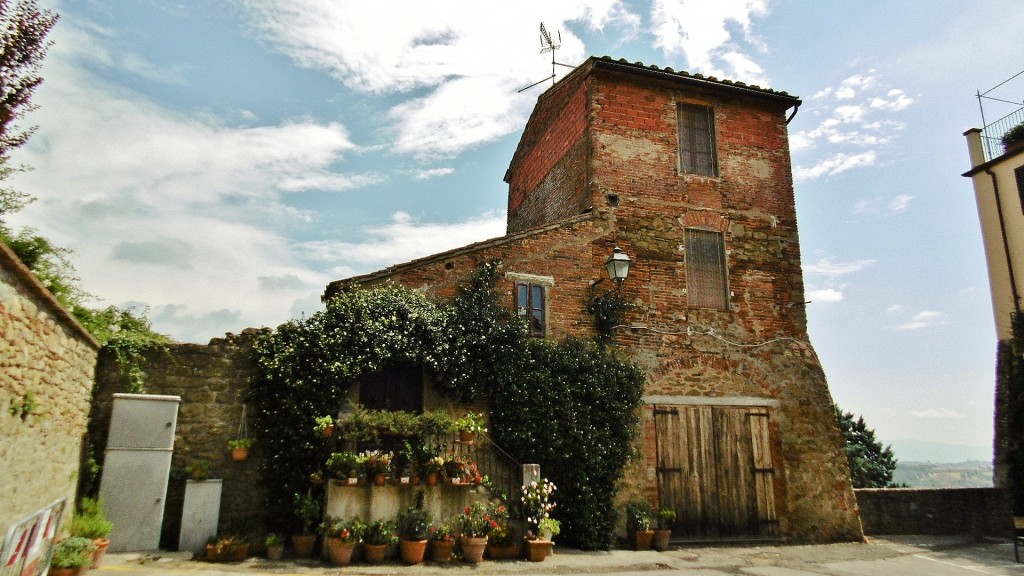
(697, 148)
(707, 279)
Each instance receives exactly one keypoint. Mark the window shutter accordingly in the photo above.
(706, 275)
(697, 148)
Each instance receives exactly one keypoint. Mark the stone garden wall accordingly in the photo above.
(211, 381)
(977, 511)
(46, 379)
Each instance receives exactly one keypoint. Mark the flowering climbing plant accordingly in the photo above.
(537, 500)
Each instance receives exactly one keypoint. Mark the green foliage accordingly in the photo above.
(307, 509)
(73, 552)
(609, 311)
(128, 335)
(90, 521)
(50, 263)
(1013, 136)
(380, 532)
(1010, 373)
(25, 406)
(871, 465)
(572, 407)
(23, 45)
(414, 522)
(638, 515)
(240, 443)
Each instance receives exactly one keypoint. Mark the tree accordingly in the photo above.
(23, 45)
(871, 465)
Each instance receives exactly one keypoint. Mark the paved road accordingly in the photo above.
(889, 556)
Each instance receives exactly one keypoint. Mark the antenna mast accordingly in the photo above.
(548, 44)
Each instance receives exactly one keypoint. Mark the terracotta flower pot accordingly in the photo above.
(509, 552)
(660, 541)
(412, 551)
(275, 551)
(374, 553)
(537, 550)
(642, 539)
(441, 550)
(473, 549)
(380, 480)
(466, 437)
(101, 549)
(340, 553)
(431, 479)
(302, 545)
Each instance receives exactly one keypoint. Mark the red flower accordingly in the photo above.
(466, 511)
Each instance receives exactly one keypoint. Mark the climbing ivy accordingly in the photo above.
(572, 407)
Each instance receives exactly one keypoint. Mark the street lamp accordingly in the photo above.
(617, 266)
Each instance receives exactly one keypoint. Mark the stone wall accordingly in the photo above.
(977, 511)
(47, 356)
(211, 381)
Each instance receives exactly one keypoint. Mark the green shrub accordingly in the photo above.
(1013, 136)
(73, 552)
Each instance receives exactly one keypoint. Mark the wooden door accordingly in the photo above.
(715, 470)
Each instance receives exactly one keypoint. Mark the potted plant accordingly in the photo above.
(71, 556)
(501, 541)
(469, 425)
(274, 544)
(442, 542)
(1013, 138)
(377, 464)
(379, 535)
(240, 448)
(666, 517)
(345, 465)
(228, 549)
(91, 522)
(413, 525)
(474, 524)
(198, 469)
(324, 426)
(434, 469)
(638, 524)
(341, 538)
(306, 509)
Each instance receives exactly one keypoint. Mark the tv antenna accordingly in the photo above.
(548, 44)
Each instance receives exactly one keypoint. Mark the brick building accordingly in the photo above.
(691, 177)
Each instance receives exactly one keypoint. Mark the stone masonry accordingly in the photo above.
(211, 381)
(46, 359)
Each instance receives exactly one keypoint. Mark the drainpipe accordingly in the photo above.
(1006, 243)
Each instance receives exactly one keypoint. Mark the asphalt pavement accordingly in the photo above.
(888, 556)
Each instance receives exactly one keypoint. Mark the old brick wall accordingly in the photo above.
(211, 381)
(976, 511)
(758, 347)
(43, 351)
(549, 182)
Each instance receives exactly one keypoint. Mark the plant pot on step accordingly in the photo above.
(537, 550)
(660, 540)
(473, 549)
(412, 551)
(340, 552)
(101, 549)
(641, 539)
(374, 553)
(275, 551)
(302, 545)
(441, 550)
(510, 552)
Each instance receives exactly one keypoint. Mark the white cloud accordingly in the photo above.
(923, 319)
(701, 32)
(442, 49)
(832, 270)
(824, 295)
(882, 207)
(405, 239)
(433, 173)
(942, 413)
(900, 204)
(851, 132)
(835, 164)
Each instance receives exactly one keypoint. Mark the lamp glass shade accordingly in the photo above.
(617, 265)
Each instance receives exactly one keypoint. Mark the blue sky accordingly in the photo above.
(219, 162)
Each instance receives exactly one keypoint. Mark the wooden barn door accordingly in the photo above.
(715, 470)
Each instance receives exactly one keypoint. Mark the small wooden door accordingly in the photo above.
(715, 470)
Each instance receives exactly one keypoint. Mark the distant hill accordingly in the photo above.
(944, 475)
(924, 451)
